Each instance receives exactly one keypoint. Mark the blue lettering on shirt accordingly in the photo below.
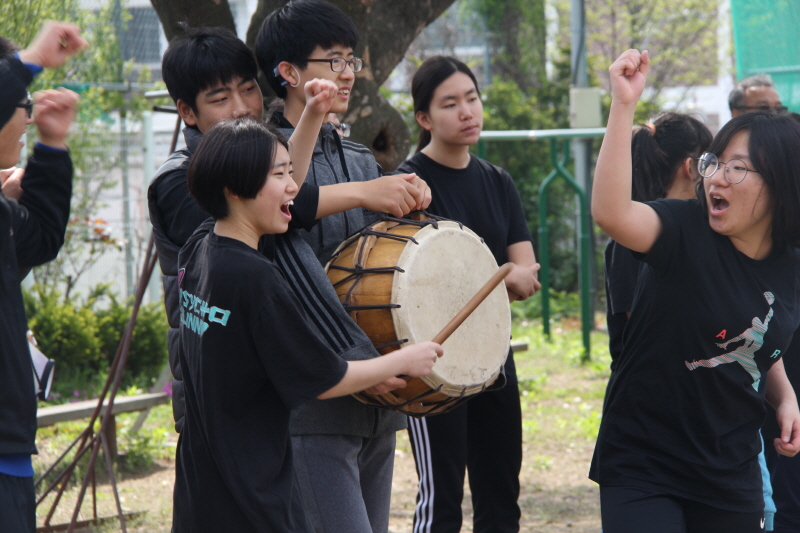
(195, 311)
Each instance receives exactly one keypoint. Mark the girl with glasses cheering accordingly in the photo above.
(714, 311)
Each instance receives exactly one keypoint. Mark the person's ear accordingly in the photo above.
(423, 120)
(188, 114)
(689, 169)
(289, 73)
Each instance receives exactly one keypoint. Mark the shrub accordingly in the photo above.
(83, 338)
(148, 352)
(65, 332)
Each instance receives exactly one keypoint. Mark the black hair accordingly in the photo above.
(234, 155)
(7, 47)
(774, 149)
(202, 57)
(660, 148)
(292, 32)
(432, 73)
(736, 98)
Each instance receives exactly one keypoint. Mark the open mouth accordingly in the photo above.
(344, 92)
(718, 203)
(285, 208)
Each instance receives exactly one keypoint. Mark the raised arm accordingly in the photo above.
(54, 43)
(41, 217)
(632, 224)
(319, 97)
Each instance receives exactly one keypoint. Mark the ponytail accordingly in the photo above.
(659, 149)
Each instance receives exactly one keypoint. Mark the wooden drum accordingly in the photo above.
(402, 280)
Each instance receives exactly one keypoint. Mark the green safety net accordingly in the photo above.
(765, 38)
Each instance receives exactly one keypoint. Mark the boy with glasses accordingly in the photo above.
(343, 450)
(211, 75)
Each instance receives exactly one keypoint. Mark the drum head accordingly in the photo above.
(440, 275)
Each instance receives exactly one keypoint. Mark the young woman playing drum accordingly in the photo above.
(485, 433)
(248, 353)
(716, 307)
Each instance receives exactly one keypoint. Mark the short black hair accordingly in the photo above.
(235, 155)
(292, 32)
(200, 58)
(7, 47)
(774, 149)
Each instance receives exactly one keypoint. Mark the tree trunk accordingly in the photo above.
(197, 13)
(386, 28)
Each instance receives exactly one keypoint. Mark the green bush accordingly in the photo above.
(83, 338)
(65, 331)
(562, 305)
(148, 353)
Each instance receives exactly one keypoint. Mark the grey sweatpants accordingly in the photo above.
(345, 481)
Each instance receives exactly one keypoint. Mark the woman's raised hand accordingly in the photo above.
(627, 76)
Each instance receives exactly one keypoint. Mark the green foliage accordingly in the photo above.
(148, 350)
(140, 450)
(672, 30)
(516, 30)
(83, 338)
(562, 305)
(94, 156)
(507, 107)
(64, 331)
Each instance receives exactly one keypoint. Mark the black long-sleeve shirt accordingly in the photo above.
(31, 233)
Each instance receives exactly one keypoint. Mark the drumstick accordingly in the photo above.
(473, 304)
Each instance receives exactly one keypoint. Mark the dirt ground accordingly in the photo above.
(555, 499)
(561, 402)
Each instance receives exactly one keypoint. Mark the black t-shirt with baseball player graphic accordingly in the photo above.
(683, 412)
(248, 357)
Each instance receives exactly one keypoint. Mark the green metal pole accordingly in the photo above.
(544, 250)
(584, 231)
(584, 252)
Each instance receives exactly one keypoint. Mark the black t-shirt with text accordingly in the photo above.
(683, 411)
(248, 357)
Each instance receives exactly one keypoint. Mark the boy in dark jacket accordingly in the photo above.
(211, 75)
(31, 233)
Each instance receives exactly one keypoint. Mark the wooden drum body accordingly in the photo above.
(402, 280)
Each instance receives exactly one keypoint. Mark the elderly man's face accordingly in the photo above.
(756, 98)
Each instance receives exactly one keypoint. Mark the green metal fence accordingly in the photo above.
(765, 40)
(560, 140)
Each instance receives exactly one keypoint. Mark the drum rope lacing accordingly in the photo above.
(358, 271)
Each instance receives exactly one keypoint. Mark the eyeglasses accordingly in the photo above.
(343, 128)
(338, 64)
(777, 108)
(27, 106)
(735, 169)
